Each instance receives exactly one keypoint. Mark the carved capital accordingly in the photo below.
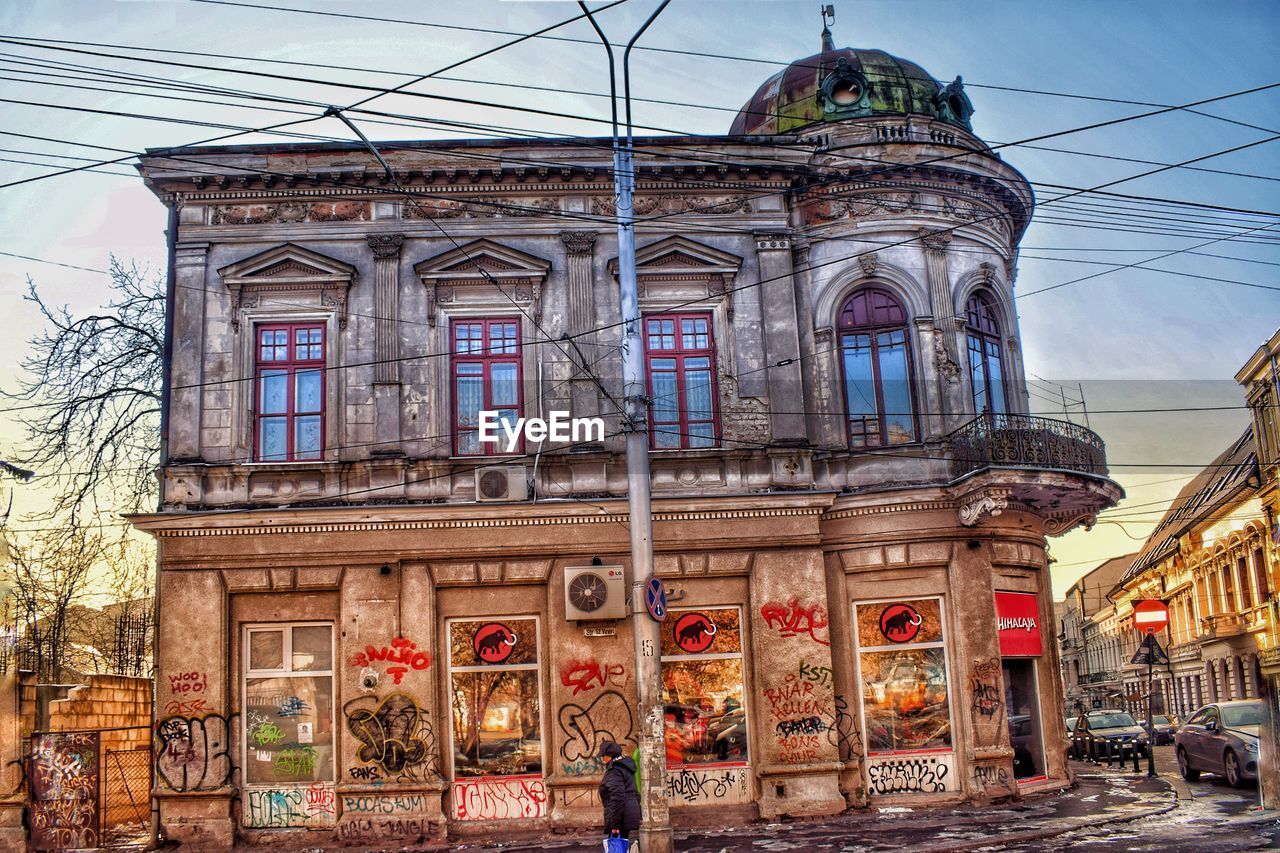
(386, 245)
(935, 241)
(579, 242)
(772, 242)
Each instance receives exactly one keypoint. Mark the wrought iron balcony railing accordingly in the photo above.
(1023, 441)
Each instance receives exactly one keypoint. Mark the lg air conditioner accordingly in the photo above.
(594, 592)
(501, 483)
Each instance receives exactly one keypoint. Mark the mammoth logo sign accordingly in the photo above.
(694, 632)
(899, 623)
(493, 642)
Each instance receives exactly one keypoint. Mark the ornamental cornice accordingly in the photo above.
(888, 509)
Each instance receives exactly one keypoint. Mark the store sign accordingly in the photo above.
(1018, 623)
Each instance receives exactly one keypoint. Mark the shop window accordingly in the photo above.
(702, 695)
(902, 667)
(986, 371)
(494, 697)
(486, 378)
(876, 361)
(680, 365)
(289, 399)
(288, 705)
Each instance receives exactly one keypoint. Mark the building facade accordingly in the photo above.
(377, 625)
(1090, 641)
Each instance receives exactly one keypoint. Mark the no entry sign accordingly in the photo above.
(1150, 616)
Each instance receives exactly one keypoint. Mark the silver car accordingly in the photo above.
(1221, 738)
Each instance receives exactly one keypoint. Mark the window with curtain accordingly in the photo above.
(486, 377)
(289, 403)
(680, 362)
(876, 359)
(986, 360)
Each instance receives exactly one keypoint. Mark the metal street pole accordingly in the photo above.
(1151, 729)
(655, 830)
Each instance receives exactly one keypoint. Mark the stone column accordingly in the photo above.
(946, 325)
(584, 394)
(386, 343)
(804, 327)
(186, 397)
(781, 344)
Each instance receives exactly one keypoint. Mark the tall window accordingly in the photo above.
(680, 361)
(877, 370)
(702, 692)
(289, 393)
(486, 377)
(986, 371)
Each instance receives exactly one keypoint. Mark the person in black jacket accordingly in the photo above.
(618, 794)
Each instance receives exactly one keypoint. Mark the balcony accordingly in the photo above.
(1057, 469)
(1098, 677)
(1221, 626)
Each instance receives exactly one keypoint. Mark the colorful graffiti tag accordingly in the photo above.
(64, 790)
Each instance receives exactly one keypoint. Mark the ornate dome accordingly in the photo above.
(848, 83)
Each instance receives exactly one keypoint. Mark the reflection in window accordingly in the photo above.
(876, 361)
(494, 698)
(902, 666)
(706, 721)
(486, 378)
(986, 373)
(289, 405)
(288, 700)
(680, 362)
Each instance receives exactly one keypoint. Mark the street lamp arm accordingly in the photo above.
(626, 63)
(613, 82)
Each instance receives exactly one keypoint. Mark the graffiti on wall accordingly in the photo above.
(840, 732)
(64, 790)
(310, 807)
(194, 753)
(585, 675)
(801, 712)
(607, 718)
(794, 619)
(401, 656)
(984, 684)
(715, 786)
(184, 683)
(395, 736)
(989, 776)
(499, 799)
(367, 830)
(910, 774)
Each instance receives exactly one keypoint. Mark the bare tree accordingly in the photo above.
(92, 384)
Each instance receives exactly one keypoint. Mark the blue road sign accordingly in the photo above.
(655, 598)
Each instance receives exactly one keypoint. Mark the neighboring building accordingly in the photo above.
(1089, 654)
(383, 626)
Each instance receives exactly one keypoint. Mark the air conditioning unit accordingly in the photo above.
(501, 483)
(594, 592)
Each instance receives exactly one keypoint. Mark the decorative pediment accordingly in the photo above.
(288, 268)
(483, 272)
(677, 263)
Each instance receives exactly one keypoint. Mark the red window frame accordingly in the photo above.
(684, 339)
(290, 356)
(472, 343)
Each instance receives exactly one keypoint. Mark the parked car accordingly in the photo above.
(1162, 729)
(1221, 738)
(1071, 725)
(1096, 729)
(729, 736)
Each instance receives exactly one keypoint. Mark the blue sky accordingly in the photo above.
(1128, 325)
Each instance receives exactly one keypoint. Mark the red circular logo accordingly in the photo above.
(900, 623)
(494, 642)
(694, 632)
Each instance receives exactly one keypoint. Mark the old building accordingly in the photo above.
(377, 625)
(1088, 640)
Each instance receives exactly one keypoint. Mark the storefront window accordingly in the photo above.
(902, 665)
(493, 671)
(288, 700)
(706, 721)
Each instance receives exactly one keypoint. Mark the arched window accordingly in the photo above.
(877, 369)
(986, 367)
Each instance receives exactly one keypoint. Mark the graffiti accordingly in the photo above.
(694, 632)
(805, 726)
(365, 774)
(840, 731)
(292, 706)
(721, 786)
(499, 799)
(900, 623)
(794, 619)
(278, 808)
(797, 699)
(990, 776)
(188, 682)
(64, 790)
(402, 653)
(186, 708)
(584, 675)
(819, 675)
(385, 829)
(986, 696)
(493, 642)
(585, 729)
(262, 731)
(193, 753)
(919, 775)
(380, 804)
(582, 767)
(395, 736)
(294, 760)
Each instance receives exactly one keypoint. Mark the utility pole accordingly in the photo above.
(655, 830)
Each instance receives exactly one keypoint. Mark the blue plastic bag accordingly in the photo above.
(614, 844)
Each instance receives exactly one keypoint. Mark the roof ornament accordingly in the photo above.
(828, 18)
